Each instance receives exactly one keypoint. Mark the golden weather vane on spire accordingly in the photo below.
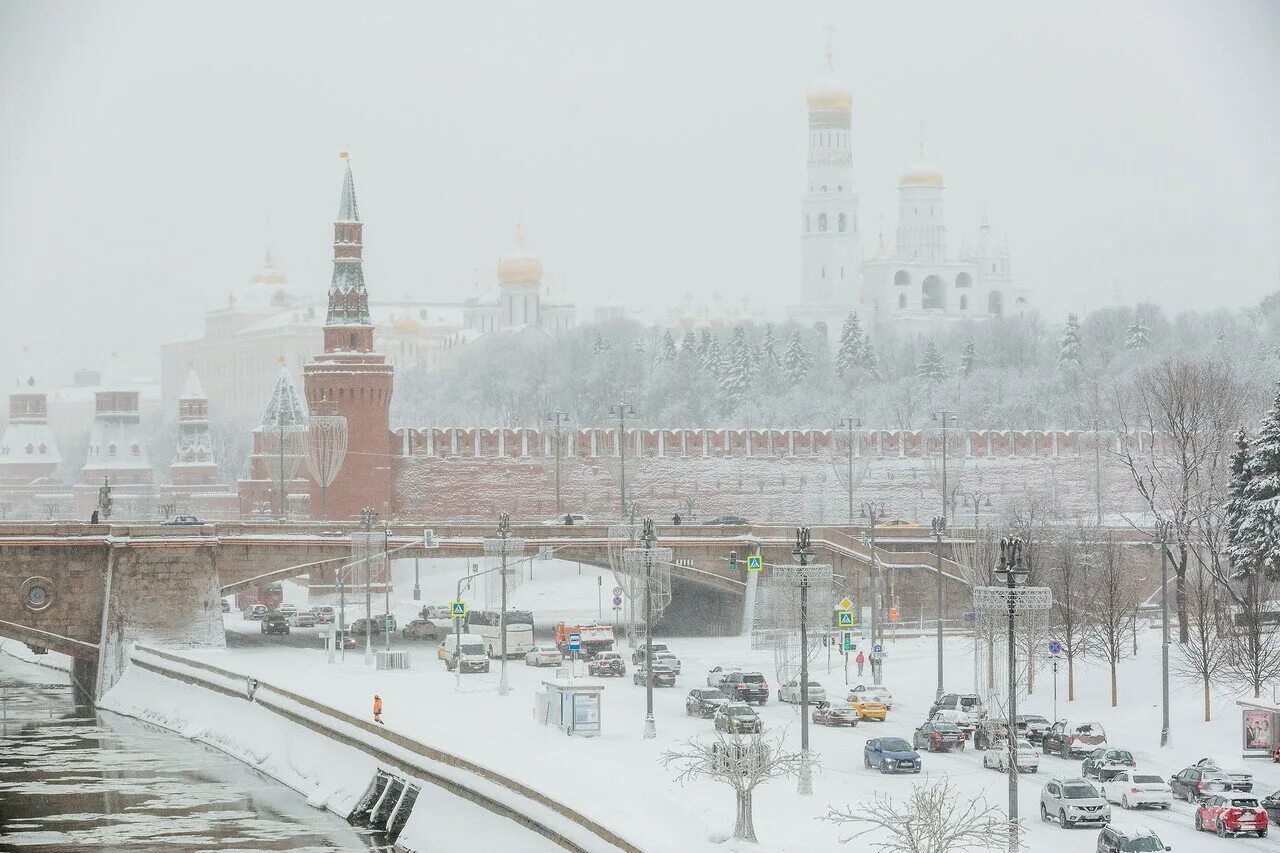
(345, 153)
(829, 31)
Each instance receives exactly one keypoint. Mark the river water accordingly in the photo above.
(73, 778)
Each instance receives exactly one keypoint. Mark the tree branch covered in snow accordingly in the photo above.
(934, 819)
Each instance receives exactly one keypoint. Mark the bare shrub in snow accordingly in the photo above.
(934, 819)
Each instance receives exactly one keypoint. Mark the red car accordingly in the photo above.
(1232, 813)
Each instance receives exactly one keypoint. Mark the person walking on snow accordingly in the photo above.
(859, 660)
(377, 709)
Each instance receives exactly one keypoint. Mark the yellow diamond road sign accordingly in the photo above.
(845, 604)
(846, 619)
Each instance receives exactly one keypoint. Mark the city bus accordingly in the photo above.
(485, 624)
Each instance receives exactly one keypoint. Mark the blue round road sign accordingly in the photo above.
(878, 648)
(617, 601)
(1055, 647)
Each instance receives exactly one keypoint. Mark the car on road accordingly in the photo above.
(434, 611)
(303, 619)
(377, 625)
(704, 702)
(938, 737)
(1069, 739)
(667, 659)
(543, 656)
(962, 720)
(341, 639)
(567, 518)
(867, 707)
(1193, 784)
(638, 655)
(966, 702)
(997, 758)
(1241, 780)
(325, 614)
(1271, 803)
(1232, 813)
(1105, 762)
(1073, 802)
(738, 718)
(662, 676)
(1133, 789)
(465, 652)
(790, 692)
(747, 687)
(606, 664)
(422, 630)
(1129, 839)
(256, 611)
(876, 691)
(890, 755)
(717, 674)
(1033, 727)
(728, 521)
(183, 520)
(275, 622)
(834, 714)
(986, 733)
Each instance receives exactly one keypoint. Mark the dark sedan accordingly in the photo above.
(275, 622)
(607, 664)
(1195, 783)
(662, 676)
(1104, 763)
(728, 521)
(738, 718)
(1271, 803)
(704, 702)
(938, 737)
(421, 629)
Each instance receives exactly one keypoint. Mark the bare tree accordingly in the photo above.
(1069, 573)
(934, 819)
(1253, 643)
(1202, 657)
(1187, 408)
(743, 763)
(1115, 601)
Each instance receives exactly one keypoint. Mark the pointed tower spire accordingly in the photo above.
(348, 299)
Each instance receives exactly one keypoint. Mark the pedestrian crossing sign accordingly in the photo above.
(755, 562)
(458, 609)
(846, 619)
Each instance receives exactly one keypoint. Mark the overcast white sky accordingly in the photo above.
(150, 152)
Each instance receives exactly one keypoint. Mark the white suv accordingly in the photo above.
(1073, 802)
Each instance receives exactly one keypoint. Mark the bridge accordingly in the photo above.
(91, 590)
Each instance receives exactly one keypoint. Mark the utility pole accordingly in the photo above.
(648, 537)
(939, 530)
(417, 590)
(621, 411)
(947, 417)
(280, 447)
(873, 512)
(802, 552)
(367, 516)
(850, 423)
(558, 417)
(504, 531)
(386, 585)
(1163, 530)
(1097, 458)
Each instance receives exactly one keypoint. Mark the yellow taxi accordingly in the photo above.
(867, 707)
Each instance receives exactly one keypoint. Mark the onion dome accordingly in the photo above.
(920, 173)
(521, 269)
(830, 93)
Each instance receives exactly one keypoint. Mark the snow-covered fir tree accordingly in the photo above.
(968, 358)
(1257, 547)
(849, 354)
(1137, 336)
(930, 367)
(712, 360)
(767, 351)
(736, 371)
(1238, 550)
(687, 345)
(796, 361)
(1069, 345)
(704, 344)
(870, 360)
(667, 349)
(601, 343)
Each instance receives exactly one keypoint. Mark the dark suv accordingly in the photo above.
(1114, 839)
(746, 686)
(275, 622)
(704, 702)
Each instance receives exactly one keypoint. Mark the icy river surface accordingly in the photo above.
(72, 778)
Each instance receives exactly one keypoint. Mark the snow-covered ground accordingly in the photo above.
(618, 780)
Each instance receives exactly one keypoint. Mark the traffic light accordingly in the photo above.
(893, 614)
(733, 561)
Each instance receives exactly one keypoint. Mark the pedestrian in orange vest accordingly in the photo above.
(377, 709)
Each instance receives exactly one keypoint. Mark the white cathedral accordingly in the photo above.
(916, 280)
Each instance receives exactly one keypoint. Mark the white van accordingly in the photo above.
(472, 658)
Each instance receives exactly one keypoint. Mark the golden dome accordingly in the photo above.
(406, 325)
(920, 175)
(830, 94)
(522, 269)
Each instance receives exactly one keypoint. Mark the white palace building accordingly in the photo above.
(915, 280)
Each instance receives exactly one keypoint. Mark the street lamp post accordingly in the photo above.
(621, 410)
(504, 531)
(367, 517)
(558, 417)
(850, 423)
(386, 585)
(648, 537)
(1012, 574)
(947, 418)
(977, 497)
(802, 552)
(939, 530)
(1163, 530)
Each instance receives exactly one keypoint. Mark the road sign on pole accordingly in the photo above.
(845, 619)
(575, 642)
(755, 563)
(1055, 648)
(617, 601)
(846, 603)
(458, 610)
(617, 592)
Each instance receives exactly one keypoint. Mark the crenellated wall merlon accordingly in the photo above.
(603, 442)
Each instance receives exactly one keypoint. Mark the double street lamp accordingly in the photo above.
(803, 554)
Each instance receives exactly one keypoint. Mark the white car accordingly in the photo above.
(997, 758)
(790, 692)
(877, 692)
(717, 673)
(543, 656)
(302, 619)
(963, 719)
(668, 659)
(1133, 789)
(569, 518)
(288, 611)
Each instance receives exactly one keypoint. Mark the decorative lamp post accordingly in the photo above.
(939, 530)
(558, 418)
(803, 553)
(1164, 530)
(621, 410)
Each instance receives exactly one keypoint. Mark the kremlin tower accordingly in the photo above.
(350, 379)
